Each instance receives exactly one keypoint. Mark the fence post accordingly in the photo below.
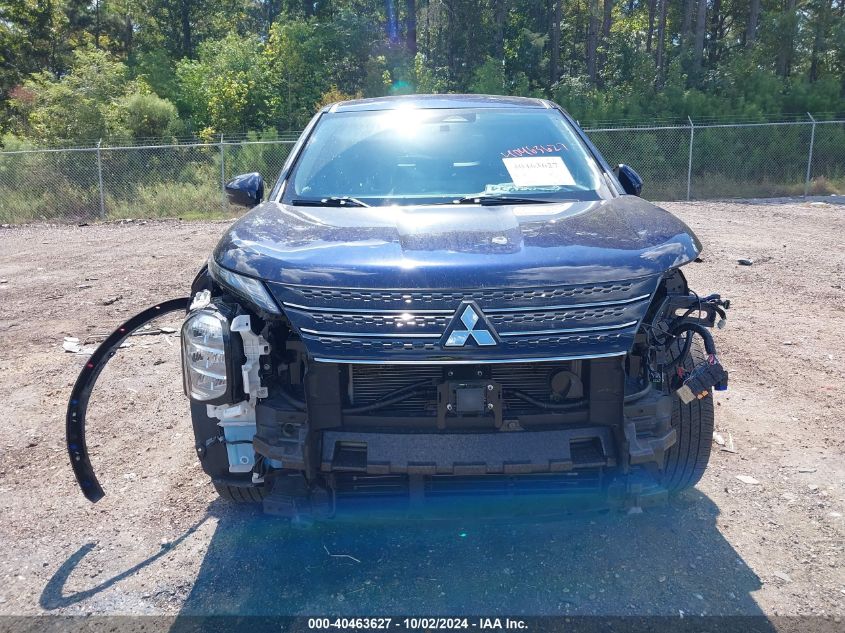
(222, 174)
(689, 164)
(810, 156)
(100, 179)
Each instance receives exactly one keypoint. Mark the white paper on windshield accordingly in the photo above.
(538, 171)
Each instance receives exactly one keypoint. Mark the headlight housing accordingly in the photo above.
(252, 290)
(207, 357)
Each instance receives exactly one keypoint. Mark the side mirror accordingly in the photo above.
(246, 190)
(629, 179)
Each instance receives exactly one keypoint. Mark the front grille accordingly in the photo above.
(381, 322)
(586, 344)
(560, 318)
(580, 481)
(401, 299)
(384, 486)
(407, 326)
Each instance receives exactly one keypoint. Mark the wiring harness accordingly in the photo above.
(670, 334)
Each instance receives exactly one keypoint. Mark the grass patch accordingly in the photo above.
(186, 200)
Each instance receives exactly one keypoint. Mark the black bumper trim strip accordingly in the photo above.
(78, 405)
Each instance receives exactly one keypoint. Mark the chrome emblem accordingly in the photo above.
(469, 323)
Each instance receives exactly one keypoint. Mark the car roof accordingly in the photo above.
(437, 102)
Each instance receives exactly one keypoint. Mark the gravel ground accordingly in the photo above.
(160, 543)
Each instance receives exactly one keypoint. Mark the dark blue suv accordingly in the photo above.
(446, 294)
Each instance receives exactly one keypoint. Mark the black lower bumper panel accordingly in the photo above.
(467, 453)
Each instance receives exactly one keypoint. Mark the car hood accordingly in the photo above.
(451, 246)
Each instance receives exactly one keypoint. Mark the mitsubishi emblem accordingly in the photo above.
(468, 324)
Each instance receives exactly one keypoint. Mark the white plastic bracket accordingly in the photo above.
(255, 346)
(238, 420)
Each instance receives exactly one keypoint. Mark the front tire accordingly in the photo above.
(687, 460)
(240, 494)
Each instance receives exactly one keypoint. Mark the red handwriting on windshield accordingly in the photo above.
(534, 150)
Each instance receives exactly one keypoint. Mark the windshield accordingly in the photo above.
(425, 156)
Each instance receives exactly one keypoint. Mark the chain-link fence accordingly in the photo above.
(677, 162)
(722, 160)
(133, 181)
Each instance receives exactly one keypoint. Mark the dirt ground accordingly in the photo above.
(160, 542)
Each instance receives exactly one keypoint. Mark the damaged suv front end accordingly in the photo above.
(446, 296)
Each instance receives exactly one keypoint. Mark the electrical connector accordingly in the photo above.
(705, 376)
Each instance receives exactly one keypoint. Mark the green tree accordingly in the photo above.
(305, 58)
(226, 88)
(95, 99)
(237, 65)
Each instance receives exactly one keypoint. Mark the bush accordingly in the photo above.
(149, 116)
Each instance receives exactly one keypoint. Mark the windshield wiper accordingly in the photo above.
(331, 201)
(490, 200)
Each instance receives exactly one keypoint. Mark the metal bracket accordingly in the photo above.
(450, 404)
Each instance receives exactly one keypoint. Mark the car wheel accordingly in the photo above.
(693, 422)
(240, 494)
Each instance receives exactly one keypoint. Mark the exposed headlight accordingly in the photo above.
(245, 287)
(205, 350)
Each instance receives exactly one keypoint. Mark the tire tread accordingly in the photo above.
(687, 460)
(240, 494)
